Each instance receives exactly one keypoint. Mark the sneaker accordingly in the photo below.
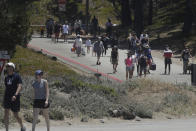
(23, 129)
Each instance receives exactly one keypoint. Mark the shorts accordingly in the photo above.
(168, 61)
(98, 53)
(13, 105)
(115, 61)
(40, 103)
(129, 68)
(143, 68)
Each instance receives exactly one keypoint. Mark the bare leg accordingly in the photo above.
(6, 118)
(126, 75)
(18, 119)
(35, 117)
(46, 115)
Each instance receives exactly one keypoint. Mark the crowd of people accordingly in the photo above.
(139, 48)
(139, 59)
(138, 56)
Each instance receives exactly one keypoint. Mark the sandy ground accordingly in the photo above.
(117, 124)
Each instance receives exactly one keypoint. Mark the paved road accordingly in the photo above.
(147, 125)
(88, 63)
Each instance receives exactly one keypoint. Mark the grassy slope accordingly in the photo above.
(146, 97)
(28, 61)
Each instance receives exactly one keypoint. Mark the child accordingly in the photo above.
(128, 63)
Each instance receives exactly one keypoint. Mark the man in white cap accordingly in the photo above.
(13, 84)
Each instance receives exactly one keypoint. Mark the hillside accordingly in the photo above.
(167, 28)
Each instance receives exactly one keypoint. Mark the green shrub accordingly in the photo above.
(56, 114)
(144, 110)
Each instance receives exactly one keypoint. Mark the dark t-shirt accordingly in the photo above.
(11, 83)
(185, 56)
(142, 61)
(114, 54)
(57, 28)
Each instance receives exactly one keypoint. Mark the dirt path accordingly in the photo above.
(144, 125)
(88, 63)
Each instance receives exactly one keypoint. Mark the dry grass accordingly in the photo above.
(163, 98)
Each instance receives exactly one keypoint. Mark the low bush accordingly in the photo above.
(56, 113)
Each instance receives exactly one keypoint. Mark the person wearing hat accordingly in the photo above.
(11, 101)
(185, 55)
(167, 55)
(41, 97)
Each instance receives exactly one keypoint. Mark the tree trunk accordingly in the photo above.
(125, 13)
(138, 14)
(150, 15)
(87, 14)
(188, 20)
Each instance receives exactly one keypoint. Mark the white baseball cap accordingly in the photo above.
(10, 64)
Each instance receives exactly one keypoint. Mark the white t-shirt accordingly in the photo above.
(88, 42)
(65, 29)
(133, 57)
(78, 42)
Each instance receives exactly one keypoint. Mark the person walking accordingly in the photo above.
(143, 64)
(95, 26)
(65, 31)
(78, 45)
(11, 101)
(41, 97)
(134, 61)
(148, 54)
(167, 55)
(105, 41)
(128, 64)
(88, 45)
(41, 31)
(138, 55)
(109, 28)
(57, 30)
(98, 50)
(114, 58)
(185, 55)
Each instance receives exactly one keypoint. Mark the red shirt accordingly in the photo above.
(168, 53)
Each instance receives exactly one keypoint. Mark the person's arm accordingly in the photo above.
(17, 92)
(47, 93)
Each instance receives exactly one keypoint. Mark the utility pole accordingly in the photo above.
(87, 14)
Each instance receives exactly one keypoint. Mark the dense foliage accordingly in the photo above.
(14, 23)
